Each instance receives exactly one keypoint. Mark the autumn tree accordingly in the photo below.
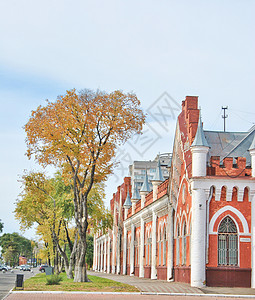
(80, 132)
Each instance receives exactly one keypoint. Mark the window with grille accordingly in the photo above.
(159, 248)
(148, 249)
(128, 251)
(164, 246)
(184, 244)
(137, 249)
(227, 243)
(177, 246)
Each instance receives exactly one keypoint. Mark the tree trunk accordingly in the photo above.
(69, 272)
(80, 274)
(63, 254)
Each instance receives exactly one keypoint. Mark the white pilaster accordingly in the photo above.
(154, 247)
(113, 250)
(125, 213)
(95, 254)
(125, 251)
(155, 185)
(141, 262)
(109, 254)
(252, 153)
(114, 240)
(229, 194)
(198, 238)
(143, 195)
(132, 251)
(118, 254)
(253, 241)
(98, 256)
(102, 256)
(133, 206)
(105, 251)
(170, 252)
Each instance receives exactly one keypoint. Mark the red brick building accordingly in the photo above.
(196, 226)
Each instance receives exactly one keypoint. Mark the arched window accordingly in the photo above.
(178, 246)
(159, 246)
(227, 243)
(164, 246)
(128, 250)
(184, 244)
(137, 247)
(148, 248)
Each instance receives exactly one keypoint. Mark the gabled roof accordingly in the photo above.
(158, 175)
(127, 203)
(200, 139)
(136, 194)
(252, 146)
(145, 187)
(231, 144)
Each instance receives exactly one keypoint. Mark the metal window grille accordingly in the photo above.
(178, 246)
(227, 243)
(164, 247)
(184, 245)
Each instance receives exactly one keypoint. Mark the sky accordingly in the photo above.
(161, 50)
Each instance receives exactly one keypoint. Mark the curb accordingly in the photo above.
(129, 293)
(10, 291)
(201, 295)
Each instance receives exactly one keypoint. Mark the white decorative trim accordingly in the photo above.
(184, 216)
(233, 210)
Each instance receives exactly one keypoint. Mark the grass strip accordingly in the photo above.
(97, 284)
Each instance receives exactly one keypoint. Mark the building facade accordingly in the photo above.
(197, 226)
(138, 169)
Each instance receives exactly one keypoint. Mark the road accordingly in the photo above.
(7, 280)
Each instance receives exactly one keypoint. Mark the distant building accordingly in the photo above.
(198, 225)
(138, 168)
(22, 260)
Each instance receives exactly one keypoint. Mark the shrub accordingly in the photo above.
(53, 279)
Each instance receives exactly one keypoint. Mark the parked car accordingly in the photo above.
(21, 267)
(42, 268)
(3, 268)
(26, 268)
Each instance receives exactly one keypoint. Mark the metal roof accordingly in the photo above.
(200, 139)
(158, 175)
(252, 146)
(127, 203)
(230, 144)
(145, 187)
(136, 194)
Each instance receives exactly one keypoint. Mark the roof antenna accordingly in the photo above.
(224, 116)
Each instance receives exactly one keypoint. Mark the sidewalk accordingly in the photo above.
(73, 296)
(163, 286)
(150, 290)
(150, 286)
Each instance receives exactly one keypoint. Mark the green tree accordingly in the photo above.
(1, 226)
(14, 245)
(90, 249)
(47, 202)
